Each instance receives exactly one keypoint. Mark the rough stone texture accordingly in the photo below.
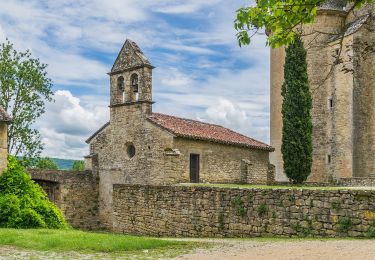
(345, 132)
(161, 157)
(74, 192)
(223, 212)
(3, 146)
(222, 163)
(5, 119)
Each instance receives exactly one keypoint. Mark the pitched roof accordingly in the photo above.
(4, 117)
(351, 28)
(130, 56)
(97, 132)
(193, 129)
(334, 5)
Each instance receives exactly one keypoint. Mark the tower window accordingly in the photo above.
(329, 158)
(121, 83)
(134, 82)
(330, 102)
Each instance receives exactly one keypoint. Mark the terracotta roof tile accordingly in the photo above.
(4, 117)
(203, 131)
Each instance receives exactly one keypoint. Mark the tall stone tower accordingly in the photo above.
(342, 91)
(5, 119)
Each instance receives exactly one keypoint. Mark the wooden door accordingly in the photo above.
(194, 168)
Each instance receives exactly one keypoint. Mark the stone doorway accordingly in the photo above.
(194, 168)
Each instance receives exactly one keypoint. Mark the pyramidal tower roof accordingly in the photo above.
(130, 57)
(334, 5)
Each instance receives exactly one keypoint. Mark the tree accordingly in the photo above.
(296, 145)
(24, 89)
(44, 163)
(78, 166)
(281, 17)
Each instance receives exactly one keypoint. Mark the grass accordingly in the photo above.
(79, 241)
(285, 187)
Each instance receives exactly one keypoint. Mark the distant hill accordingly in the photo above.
(63, 164)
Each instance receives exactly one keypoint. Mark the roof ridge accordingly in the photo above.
(189, 119)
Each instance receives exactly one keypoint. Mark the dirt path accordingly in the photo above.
(282, 250)
(232, 249)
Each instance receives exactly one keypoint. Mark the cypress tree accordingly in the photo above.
(296, 145)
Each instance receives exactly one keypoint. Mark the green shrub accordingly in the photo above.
(262, 210)
(239, 206)
(23, 203)
(344, 224)
(9, 209)
(371, 229)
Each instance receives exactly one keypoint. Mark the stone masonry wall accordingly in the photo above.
(3, 146)
(74, 192)
(223, 163)
(224, 212)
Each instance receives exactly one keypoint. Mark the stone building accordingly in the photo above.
(342, 82)
(138, 146)
(5, 119)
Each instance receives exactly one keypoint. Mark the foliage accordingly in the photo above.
(23, 203)
(336, 205)
(238, 205)
(78, 166)
(344, 224)
(44, 163)
(24, 88)
(281, 17)
(74, 240)
(371, 229)
(296, 145)
(262, 210)
(221, 222)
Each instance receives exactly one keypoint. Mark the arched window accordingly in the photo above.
(121, 83)
(134, 82)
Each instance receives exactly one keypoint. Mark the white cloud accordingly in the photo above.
(201, 72)
(67, 124)
(231, 115)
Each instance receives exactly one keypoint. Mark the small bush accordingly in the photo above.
(344, 224)
(238, 204)
(23, 203)
(371, 229)
(262, 210)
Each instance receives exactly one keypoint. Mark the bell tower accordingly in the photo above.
(131, 78)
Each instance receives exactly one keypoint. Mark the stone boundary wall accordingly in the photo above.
(231, 212)
(357, 182)
(74, 192)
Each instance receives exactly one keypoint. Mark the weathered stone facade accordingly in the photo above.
(5, 119)
(141, 147)
(343, 94)
(224, 212)
(74, 192)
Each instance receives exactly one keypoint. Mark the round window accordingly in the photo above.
(131, 151)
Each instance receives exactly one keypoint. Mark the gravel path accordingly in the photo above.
(287, 250)
(233, 249)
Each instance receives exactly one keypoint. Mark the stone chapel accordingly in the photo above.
(138, 146)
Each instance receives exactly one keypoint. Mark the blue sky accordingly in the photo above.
(201, 72)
